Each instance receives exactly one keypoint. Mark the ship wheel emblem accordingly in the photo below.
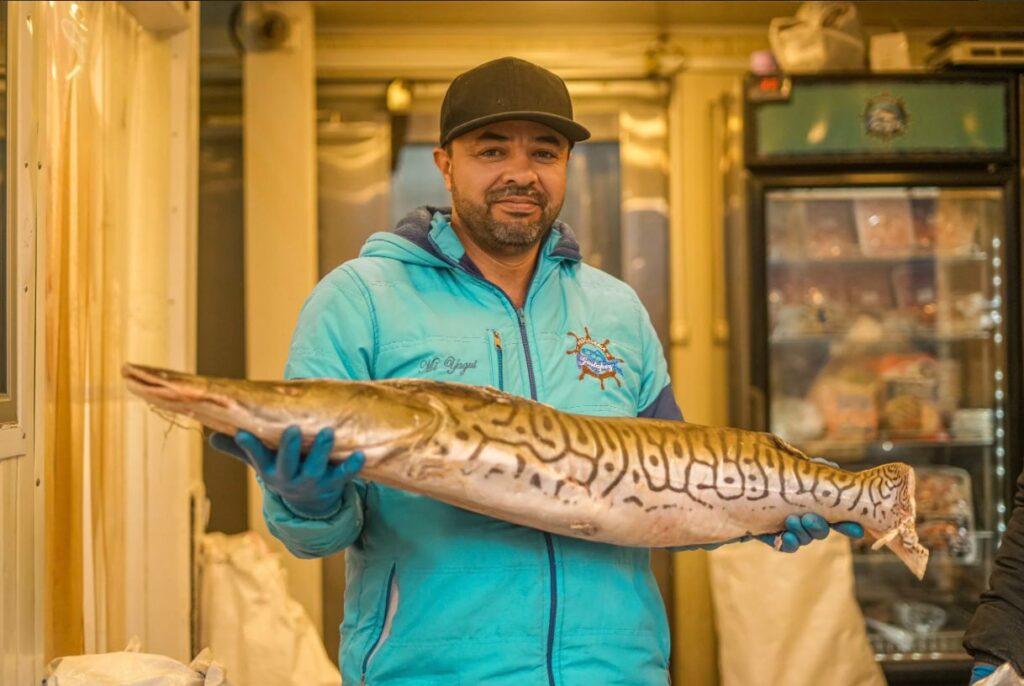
(593, 358)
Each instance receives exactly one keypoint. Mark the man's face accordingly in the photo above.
(507, 182)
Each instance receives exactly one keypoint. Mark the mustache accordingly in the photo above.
(530, 192)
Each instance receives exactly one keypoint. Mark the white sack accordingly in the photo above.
(258, 632)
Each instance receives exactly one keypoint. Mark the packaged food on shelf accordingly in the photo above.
(922, 211)
(796, 420)
(964, 313)
(829, 230)
(885, 226)
(950, 386)
(868, 289)
(786, 222)
(824, 296)
(845, 392)
(909, 395)
(956, 225)
(945, 511)
(914, 290)
(973, 423)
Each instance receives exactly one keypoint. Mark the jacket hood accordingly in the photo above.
(425, 237)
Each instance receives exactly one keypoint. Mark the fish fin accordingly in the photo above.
(584, 528)
(904, 543)
(786, 447)
(902, 539)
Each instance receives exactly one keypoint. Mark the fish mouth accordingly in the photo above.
(168, 388)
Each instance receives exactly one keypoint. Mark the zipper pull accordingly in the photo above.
(522, 317)
(497, 339)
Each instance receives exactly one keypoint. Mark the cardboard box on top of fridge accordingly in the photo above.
(889, 52)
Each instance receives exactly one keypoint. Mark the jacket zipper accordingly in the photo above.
(501, 360)
(526, 351)
(553, 609)
(549, 542)
(390, 607)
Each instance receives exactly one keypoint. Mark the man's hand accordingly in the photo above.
(800, 530)
(310, 485)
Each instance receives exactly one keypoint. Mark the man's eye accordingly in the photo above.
(490, 152)
(547, 154)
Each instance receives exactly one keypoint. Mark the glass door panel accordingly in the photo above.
(886, 316)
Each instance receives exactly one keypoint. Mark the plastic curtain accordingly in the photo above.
(90, 57)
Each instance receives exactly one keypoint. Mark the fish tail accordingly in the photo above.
(896, 527)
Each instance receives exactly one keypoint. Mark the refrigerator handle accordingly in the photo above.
(757, 407)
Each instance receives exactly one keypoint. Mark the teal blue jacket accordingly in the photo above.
(441, 596)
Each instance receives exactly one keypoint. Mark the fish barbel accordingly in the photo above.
(625, 481)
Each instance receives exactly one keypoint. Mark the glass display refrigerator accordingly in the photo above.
(881, 317)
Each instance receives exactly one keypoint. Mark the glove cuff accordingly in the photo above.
(310, 511)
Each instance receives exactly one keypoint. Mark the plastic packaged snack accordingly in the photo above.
(885, 226)
(909, 395)
(830, 230)
(945, 511)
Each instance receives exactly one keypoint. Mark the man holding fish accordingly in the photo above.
(436, 594)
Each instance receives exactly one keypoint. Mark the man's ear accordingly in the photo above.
(443, 162)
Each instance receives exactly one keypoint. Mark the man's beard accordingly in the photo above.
(495, 235)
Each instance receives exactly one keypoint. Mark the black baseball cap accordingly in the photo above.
(504, 89)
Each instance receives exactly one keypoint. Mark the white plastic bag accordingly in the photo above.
(823, 36)
(258, 632)
(132, 668)
(1006, 675)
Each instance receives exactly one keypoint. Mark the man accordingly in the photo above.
(994, 634)
(490, 292)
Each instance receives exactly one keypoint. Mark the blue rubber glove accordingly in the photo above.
(800, 530)
(311, 486)
(980, 671)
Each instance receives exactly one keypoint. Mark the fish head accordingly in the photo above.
(363, 415)
(190, 395)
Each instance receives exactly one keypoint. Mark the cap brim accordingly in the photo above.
(567, 127)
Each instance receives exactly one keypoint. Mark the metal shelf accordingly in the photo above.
(930, 336)
(940, 645)
(859, 260)
(849, 451)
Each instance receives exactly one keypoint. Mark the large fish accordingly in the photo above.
(626, 481)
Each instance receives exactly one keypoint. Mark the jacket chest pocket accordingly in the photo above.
(588, 376)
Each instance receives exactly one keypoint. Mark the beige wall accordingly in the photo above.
(698, 356)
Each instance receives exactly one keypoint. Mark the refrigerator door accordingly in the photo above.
(886, 318)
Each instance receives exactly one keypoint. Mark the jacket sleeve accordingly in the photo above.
(335, 338)
(657, 401)
(994, 632)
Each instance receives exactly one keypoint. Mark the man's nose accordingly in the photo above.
(519, 169)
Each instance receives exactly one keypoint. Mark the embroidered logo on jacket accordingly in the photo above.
(593, 358)
(451, 365)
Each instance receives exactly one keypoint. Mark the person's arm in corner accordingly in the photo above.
(993, 634)
(336, 339)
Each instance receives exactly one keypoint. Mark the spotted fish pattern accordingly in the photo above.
(624, 481)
